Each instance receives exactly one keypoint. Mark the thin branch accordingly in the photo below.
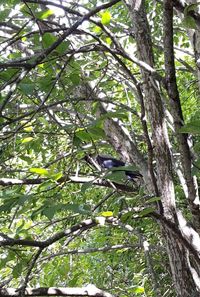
(13, 87)
(104, 199)
(86, 17)
(99, 250)
(84, 225)
(22, 289)
(66, 9)
(44, 106)
(9, 25)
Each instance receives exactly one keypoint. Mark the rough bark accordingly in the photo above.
(154, 108)
(183, 280)
(174, 99)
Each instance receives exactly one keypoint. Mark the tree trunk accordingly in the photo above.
(178, 254)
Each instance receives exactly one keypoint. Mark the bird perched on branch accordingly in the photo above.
(109, 162)
(106, 162)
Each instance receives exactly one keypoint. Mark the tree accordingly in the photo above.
(89, 78)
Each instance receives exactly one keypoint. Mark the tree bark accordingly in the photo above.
(178, 254)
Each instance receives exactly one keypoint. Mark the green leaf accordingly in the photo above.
(20, 227)
(25, 11)
(138, 290)
(75, 78)
(56, 176)
(97, 30)
(75, 208)
(86, 186)
(189, 22)
(4, 13)
(28, 128)
(26, 159)
(23, 199)
(105, 18)
(7, 73)
(44, 14)
(27, 88)
(25, 234)
(61, 49)
(4, 262)
(146, 211)
(107, 213)
(108, 40)
(74, 281)
(76, 141)
(48, 39)
(193, 127)
(17, 270)
(40, 171)
(49, 212)
(126, 216)
(7, 206)
(154, 199)
(27, 139)
(114, 114)
(116, 176)
(97, 132)
(83, 135)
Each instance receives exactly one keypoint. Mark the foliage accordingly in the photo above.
(50, 121)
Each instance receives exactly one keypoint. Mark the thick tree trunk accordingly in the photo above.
(178, 254)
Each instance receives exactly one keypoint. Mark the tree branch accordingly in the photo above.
(84, 225)
(86, 17)
(66, 179)
(89, 290)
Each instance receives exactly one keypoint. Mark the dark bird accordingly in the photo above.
(109, 162)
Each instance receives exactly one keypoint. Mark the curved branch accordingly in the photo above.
(84, 225)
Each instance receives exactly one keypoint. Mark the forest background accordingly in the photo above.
(115, 78)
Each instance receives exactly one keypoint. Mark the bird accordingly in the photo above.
(107, 162)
